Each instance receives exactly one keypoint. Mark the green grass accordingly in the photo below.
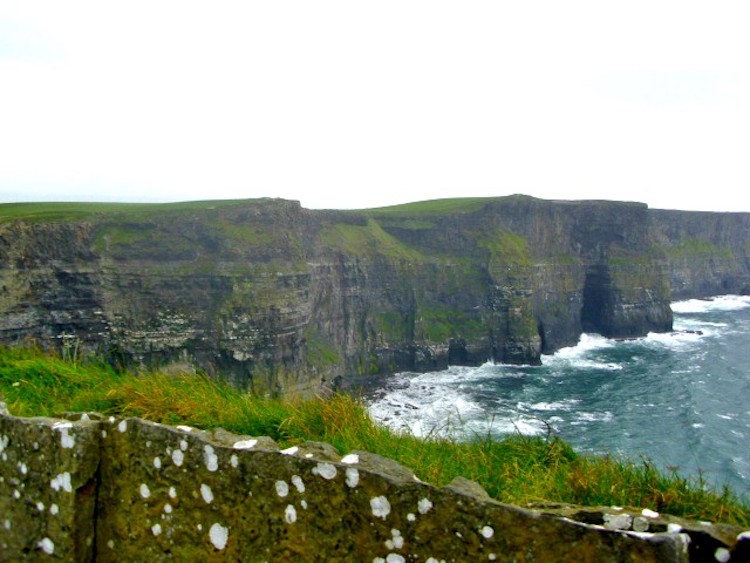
(368, 240)
(431, 207)
(516, 470)
(76, 211)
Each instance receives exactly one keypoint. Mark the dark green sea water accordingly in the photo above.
(681, 400)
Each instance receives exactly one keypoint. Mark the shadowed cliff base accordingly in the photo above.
(274, 297)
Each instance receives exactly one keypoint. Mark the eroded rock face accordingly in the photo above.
(178, 493)
(273, 297)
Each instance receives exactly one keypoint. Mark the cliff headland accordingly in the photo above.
(275, 297)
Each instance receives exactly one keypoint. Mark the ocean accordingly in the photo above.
(680, 400)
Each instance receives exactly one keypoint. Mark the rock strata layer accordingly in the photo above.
(130, 490)
(276, 298)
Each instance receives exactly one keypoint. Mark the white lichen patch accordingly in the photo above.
(487, 532)
(396, 541)
(290, 451)
(4, 441)
(219, 536)
(411, 517)
(673, 528)
(168, 508)
(54, 509)
(282, 489)
(47, 546)
(325, 470)
(62, 481)
(722, 555)
(352, 477)
(298, 483)
(234, 461)
(350, 459)
(308, 456)
(183, 445)
(157, 462)
(290, 514)
(303, 504)
(16, 494)
(22, 468)
(245, 444)
(178, 457)
(156, 529)
(210, 458)
(40, 506)
(744, 536)
(618, 521)
(395, 558)
(104, 433)
(66, 440)
(649, 513)
(207, 493)
(145, 492)
(424, 506)
(172, 492)
(380, 506)
(184, 428)
(111, 544)
(123, 426)
(7, 524)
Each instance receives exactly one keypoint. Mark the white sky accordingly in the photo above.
(349, 104)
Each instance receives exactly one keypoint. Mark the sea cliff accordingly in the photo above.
(275, 297)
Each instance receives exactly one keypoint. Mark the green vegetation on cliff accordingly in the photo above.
(516, 470)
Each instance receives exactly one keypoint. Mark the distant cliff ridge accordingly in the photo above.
(275, 297)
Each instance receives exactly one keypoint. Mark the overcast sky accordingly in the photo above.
(347, 104)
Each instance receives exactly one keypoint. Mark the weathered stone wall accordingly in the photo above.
(131, 490)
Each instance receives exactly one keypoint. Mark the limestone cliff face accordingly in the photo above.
(274, 297)
(707, 253)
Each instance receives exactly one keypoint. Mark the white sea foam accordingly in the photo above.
(721, 303)
(564, 405)
(441, 404)
(586, 344)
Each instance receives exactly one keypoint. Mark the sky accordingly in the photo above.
(349, 104)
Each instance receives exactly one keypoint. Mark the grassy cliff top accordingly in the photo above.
(516, 469)
(75, 211)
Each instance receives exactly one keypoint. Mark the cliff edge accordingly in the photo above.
(276, 297)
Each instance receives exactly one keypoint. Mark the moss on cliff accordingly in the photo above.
(507, 249)
(367, 240)
(694, 247)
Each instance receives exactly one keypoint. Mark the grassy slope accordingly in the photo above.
(76, 211)
(514, 470)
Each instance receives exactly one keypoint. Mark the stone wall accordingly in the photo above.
(90, 489)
